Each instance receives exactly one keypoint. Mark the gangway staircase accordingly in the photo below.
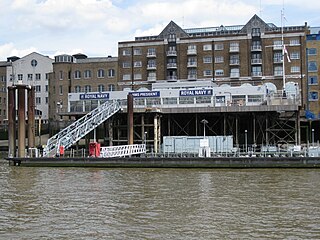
(77, 130)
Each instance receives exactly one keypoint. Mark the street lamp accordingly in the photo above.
(246, 139)
(312, 136)
(204, 121)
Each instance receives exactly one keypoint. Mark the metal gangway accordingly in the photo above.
(122, 150)
(77, 130)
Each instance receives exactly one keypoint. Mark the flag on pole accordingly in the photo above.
(286, 52)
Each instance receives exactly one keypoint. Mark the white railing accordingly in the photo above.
(122, 151)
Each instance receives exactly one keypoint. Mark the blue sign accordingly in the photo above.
(193, 92)
(93, 96)
(146, 94)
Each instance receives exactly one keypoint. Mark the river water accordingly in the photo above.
(84, 203)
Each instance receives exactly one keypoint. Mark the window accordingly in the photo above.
(234, 59)
(219, 72)
(101, 88)
(234, 46)
(313, 96)
(151, 63)
(192, 47)
(207, 59)
(47, 100)
(60, 75)
(112, 87)
(137, 64)
(295, 55)
(218, 59)
(30, 77)
(151, 52)
(87, 74)
(100, 73)
(38, 88)
(207, 47)
(126, 64)
(218, 46)
(137, 76)
(312, 51)
(20, 77)
(277, 57)
(235, 72)
(77, 89)
(87, 88)
(295, 69)
(207, 73)
(137, 51)
(277, 44)
(38, 76)
(126, 52)
(47, 76)
(313, 80)
(278, 71)
(126, 77)
(77, 74)
(294, 42)
(60, 90)
(111, 73)
(312, 66)
(47, 88)
(38, 100)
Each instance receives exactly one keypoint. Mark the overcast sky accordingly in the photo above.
(94, 27)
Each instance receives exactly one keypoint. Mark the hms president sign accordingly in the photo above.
(194, 92)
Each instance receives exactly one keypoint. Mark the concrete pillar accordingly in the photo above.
(21, 120)
(12, 120)
(155, 133)
(31, 117)
(130, 118)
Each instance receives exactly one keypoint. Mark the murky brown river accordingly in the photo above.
(82, 203)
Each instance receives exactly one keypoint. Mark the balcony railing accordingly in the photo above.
(172, 53)
(256, 61)
(192, 51)
(234, 61)
(171, 65)
(151, 67)
(151, 54)
(192, 64)
(256, 48)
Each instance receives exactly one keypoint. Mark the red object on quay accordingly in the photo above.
(94, 149)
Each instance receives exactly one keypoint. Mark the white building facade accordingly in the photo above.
(33, 69)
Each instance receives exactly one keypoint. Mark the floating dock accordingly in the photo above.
(166, 162)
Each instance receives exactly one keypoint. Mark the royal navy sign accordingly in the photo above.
(93, 96)
(194, 92)
(146, 94)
